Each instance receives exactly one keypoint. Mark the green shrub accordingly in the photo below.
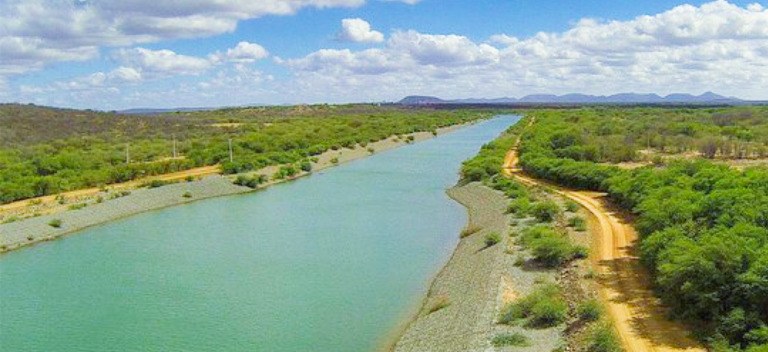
(521, 207)
(334, 161)
(187, 194)
(544, 307)
(550, 247)
(602, 338)
(77, 206)
(55, 223)
(589, 310)
(571, 206)
(492, 239)
(514, 339)
(578, 223)
(371, 150)
(157, 183)
(306, 166)
(545, 211)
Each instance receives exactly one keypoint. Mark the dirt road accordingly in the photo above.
(624, 285)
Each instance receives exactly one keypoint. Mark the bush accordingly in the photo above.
(572, 206)
(544, 307)
(157, 183)
(55, 223)
(515, 339)
(545, 211)
(578, 223)
(77, 206)
(520, 207)
(306, 166)
(589, 310)
(492, 239)
(602, 338)
(549, 247)
(187, 195)
(334, 161)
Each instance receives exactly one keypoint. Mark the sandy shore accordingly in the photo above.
(476, 283)
(35, 217)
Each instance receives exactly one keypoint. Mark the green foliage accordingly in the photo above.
(589, 310)
(544, 307)
(545, 211)
(602, 338)
(305, 166)
(572, 206)
(549, 247)
(80, 149)
(514, 339)
(252, 182)
(55, 223)
(187, 194)
(703, 226)
(578, 223)
(492, 239)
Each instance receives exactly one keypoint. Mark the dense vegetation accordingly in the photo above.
(45, 151)
(703, 226)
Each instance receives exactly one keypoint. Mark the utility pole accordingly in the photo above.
(174, 148)
(231, 158)
(127, 153)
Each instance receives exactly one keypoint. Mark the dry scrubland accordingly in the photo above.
(702, 226)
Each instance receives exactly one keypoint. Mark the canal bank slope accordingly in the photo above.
(52, 217)
(462, 306)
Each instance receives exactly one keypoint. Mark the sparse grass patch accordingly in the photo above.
(10, 219)
(545, 211)
(492, 239)
(55, 223)
(520, 260)
(578, 223)
(602, 338)
(187, 194)
(515, 339)
(439, 303)
(571, 206)
(589, 310)
(77, 206)
(470, 230)
(544, 307)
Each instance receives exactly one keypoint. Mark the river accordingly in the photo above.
(330, 262)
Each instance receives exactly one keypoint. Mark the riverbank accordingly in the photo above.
(462, 306)
(48, 219)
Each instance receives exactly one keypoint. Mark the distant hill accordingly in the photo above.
(623, 98)
(151, 111)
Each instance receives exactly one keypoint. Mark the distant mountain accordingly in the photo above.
(151, 111)
(623, 98)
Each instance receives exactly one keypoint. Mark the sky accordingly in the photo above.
(119, 54)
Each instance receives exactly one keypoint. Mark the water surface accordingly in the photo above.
(332, 262)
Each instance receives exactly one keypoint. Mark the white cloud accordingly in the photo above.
(244, 52)
(162, 62)
(35, 33)
(717, 46)
(359, 31)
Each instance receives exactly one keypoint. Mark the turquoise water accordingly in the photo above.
(331, 262)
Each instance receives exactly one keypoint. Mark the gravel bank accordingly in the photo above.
(28, 231)
(476, 283)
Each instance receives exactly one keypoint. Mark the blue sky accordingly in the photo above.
(111, 54)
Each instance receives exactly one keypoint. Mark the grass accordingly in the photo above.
(545, 211)
(602, 338)
(335, 161)
(515, 339)
(470, 230)
(571, 206)
(55, 223)
(439, 303)
(78, 206)
(187, 195)
(578, 223)
(544, 307)
(589, 310)
(492, 239)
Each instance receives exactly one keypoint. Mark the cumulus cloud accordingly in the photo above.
(35, 33)
(244, 52)
(716, 46)
(162, 62)
(359, 31)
